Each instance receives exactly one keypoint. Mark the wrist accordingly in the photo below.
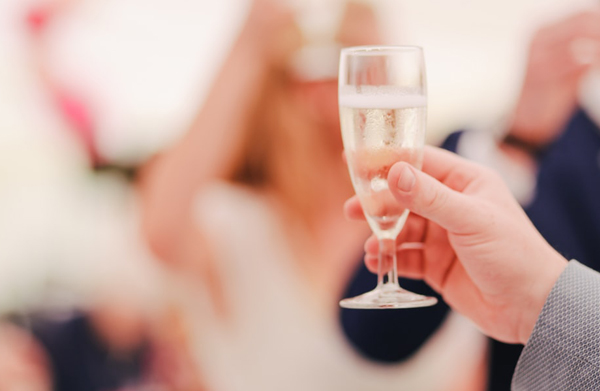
(523, 136)
(542, 282)
(272, 38)
(531, 148)
(535, 131)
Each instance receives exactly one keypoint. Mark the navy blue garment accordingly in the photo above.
(389, 335)
(565, 209)
(80, 362)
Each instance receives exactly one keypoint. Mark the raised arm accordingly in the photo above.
(214, 142)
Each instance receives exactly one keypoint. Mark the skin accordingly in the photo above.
(482, 254)
(168, 184)
(554, 69)
(23, 362)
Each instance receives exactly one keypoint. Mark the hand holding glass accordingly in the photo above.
(383, 109)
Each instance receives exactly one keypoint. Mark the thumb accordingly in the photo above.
(429, 198)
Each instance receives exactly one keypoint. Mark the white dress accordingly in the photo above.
(271, 337)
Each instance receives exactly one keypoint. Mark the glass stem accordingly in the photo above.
(387, 261)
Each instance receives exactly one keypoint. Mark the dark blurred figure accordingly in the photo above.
(114, 345)
(551, 152)
(85, 354)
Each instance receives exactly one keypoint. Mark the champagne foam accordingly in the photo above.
(381, 101)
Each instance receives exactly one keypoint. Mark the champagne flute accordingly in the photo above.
(383, 109)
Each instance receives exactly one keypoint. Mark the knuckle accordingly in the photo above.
(460, 179)
(490, 175)
(435, 200)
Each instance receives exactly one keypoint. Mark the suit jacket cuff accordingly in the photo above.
(563, 352)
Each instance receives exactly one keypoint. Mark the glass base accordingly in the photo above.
(388, 296)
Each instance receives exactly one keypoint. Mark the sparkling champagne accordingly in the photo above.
(378, 131)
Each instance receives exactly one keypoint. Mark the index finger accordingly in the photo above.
(353, 210)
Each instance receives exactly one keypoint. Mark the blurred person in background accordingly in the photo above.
(549, 153)
(247, 209)
(116, 343)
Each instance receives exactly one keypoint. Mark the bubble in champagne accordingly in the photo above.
(379, 184)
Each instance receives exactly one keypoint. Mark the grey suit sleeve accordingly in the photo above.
(563, 352)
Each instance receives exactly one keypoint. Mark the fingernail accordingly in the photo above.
(406, 181)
